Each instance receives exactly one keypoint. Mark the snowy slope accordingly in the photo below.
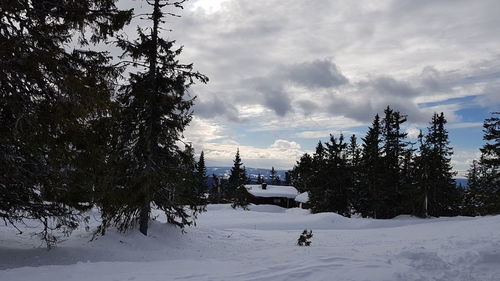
(259, 244)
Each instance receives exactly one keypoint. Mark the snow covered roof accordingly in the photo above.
(303, 197)
(272, 191)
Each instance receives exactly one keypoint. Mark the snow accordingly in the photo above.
(260, 244)
(303, 197)
(272, 191)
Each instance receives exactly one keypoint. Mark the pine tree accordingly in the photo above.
(54, 106)
(155, 109)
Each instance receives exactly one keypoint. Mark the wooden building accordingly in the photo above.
(283, 196)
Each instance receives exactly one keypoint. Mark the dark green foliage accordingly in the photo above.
(385, 177)
(54, 104)
(394, 147)
(302, 173)
(260, 179)
(149, 167)
(233, 188)
(369, 188)
(274, 177)
(304, 238)
(288, 178)
(240, 199)
(327, 176)
(483, 194)
(201, 176)
(216, 192)
(437, 190)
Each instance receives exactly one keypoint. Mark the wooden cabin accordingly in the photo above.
(280, 195)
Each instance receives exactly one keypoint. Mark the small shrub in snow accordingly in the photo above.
(304, 238)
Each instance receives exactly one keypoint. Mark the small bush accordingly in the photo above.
(304, 238)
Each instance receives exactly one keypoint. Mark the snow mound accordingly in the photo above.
(260, 244)
(303, 197)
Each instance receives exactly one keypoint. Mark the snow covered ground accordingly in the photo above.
(260, 244)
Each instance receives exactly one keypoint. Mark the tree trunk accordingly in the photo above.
(144, 219)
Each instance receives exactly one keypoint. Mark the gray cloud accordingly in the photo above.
(404, 53)
(315, 74)
(216, 107)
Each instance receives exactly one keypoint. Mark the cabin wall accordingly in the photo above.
(278, 201)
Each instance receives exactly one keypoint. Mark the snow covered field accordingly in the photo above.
(260, 244)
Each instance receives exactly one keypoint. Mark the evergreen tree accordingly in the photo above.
(331, 182)
(54, 104)
(302, 173)
(369, 198)
(155, 109)
(484, 176)
(274, 177)
(201, 175)
(235, 186)
(393, 149)
(260, 179)
(288, 178)
(440, 195)
(216, 192)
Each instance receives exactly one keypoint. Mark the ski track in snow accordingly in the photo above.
(260, 244)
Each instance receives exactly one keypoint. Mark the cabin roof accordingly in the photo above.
(303, 197)
(272, 191)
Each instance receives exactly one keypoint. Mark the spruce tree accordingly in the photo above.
(331, 183)
(260, 179)
(302, 173)
(155, 109)
(201, 175)
(369, 199)
(484, 175)
(393, 149)
(54, 106)
(235, 185)
(440, 196)
(274, 177)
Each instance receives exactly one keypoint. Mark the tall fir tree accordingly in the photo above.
(235, 190)
(155, 109)
(369, 193)
(484, 176)
(393, 149)
(440, 195)
(201, 175)
(54, 106)
(330, 181)
(302, 173)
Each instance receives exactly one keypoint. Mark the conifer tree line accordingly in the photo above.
(483, 194)
(74, 135)
(387, 175)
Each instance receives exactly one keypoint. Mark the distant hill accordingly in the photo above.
(252, 173)
(461, 181)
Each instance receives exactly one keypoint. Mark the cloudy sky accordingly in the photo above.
(285, 74)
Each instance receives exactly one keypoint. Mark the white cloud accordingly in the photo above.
(281, 154)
